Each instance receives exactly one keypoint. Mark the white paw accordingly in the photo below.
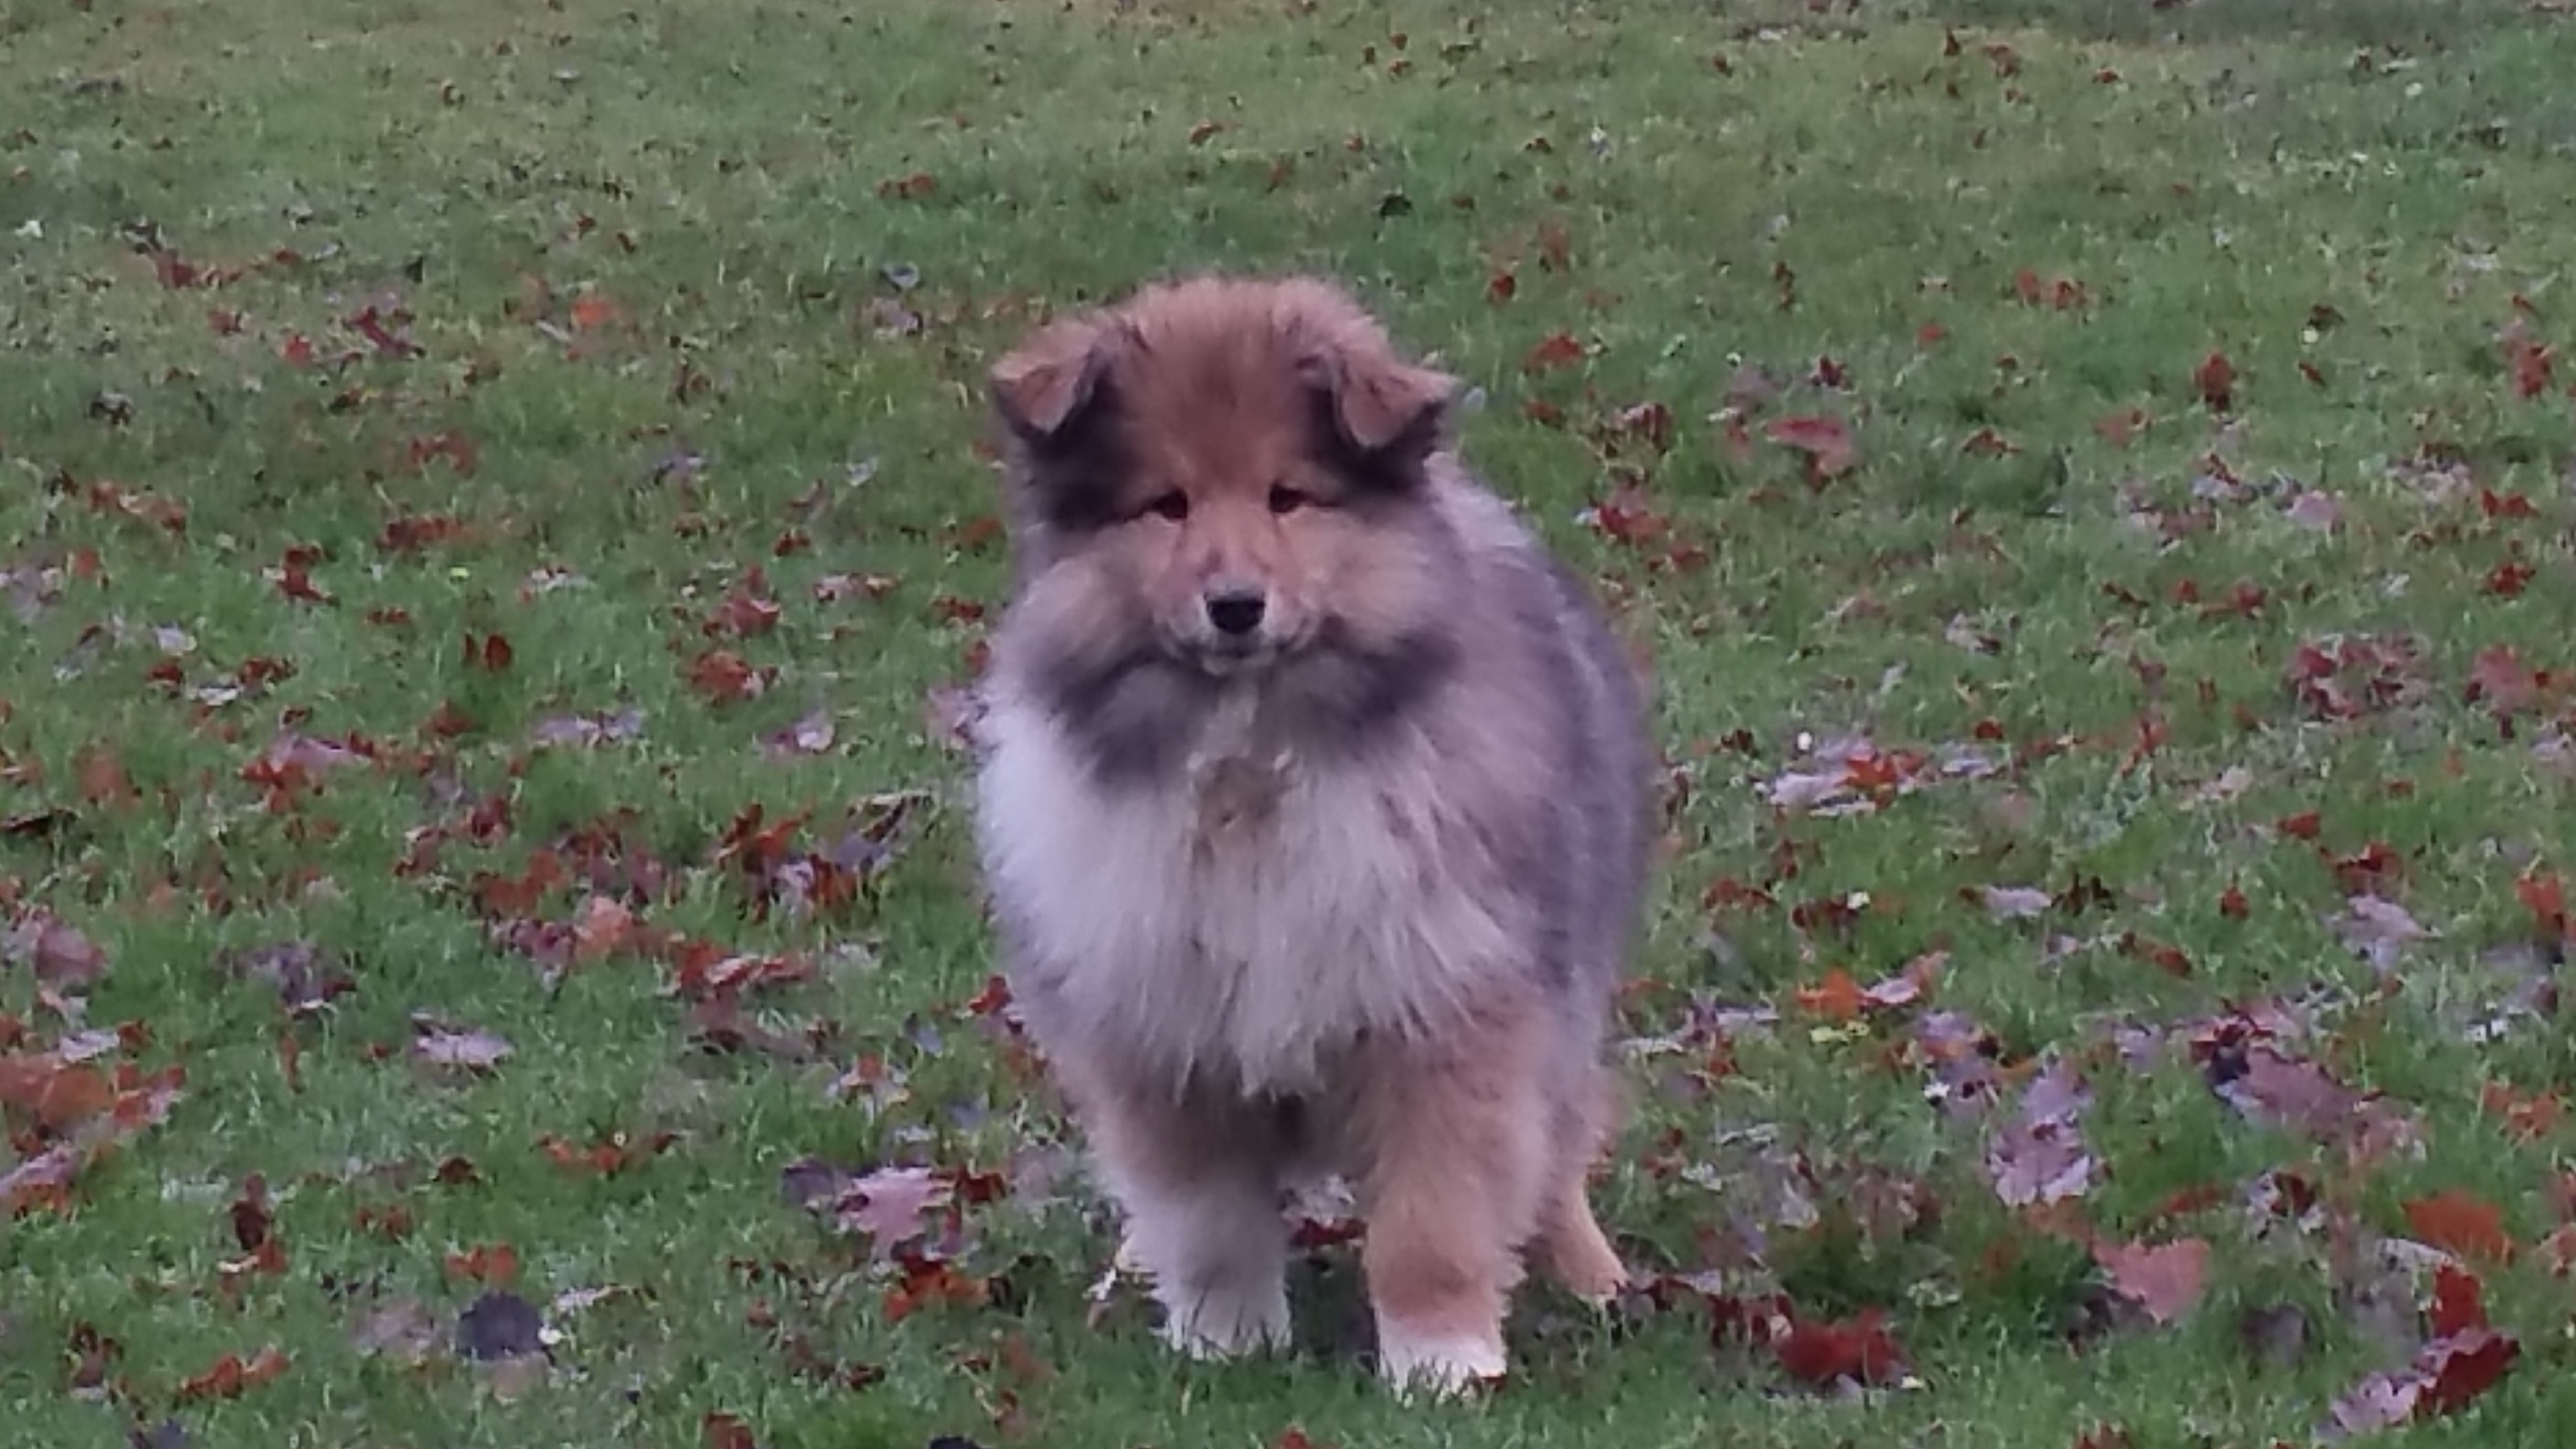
(1217, 1263)
(1439, 1365)
(1226, 1319)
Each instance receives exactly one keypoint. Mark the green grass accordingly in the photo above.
(646, 254)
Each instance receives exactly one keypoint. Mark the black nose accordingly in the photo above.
(1235, 611)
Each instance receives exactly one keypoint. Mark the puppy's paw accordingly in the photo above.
(1598, 1282)
(1223, 1321)
(1438, 1366)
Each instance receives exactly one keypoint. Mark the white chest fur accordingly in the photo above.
(1246, 919)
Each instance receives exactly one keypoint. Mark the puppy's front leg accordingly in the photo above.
(1454, 1189)
(1198, 1179)
(1216, 1250)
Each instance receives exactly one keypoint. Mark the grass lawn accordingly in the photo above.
(492, 534)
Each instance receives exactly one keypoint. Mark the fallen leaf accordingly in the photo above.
(2463, 1366)
(602, 926)
(2459, 1222)
(2315, 511)
(2038, 1156)
(1556, 350)
(60, 955)
(304, 977)
(608, 1157)
(2381, 1401)
(446, 1049)
(2215, 380)
(810, 735)
(592, 311)
(2015, 903)
(1824, 440)
(1836, 998)
(484, 1263)
(725, 678)
(1859, 1349)
(2459, 1301)
(230, 1376)
(889, 1206)
(2165, 1280)
(2379, 930)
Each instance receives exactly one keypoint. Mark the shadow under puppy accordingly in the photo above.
(1313, 805)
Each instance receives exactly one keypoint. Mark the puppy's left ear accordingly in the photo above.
(1046, 382)
(1380, 402)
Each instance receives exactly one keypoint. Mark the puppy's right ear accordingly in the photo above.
(1045, 383)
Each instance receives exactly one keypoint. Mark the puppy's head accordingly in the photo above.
(1223, 478)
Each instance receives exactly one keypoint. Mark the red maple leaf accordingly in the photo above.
(2459, 1368)
(53, 1094)
(928, 1283)
(2163, 955)
(252, 1220)
(2506, 505)
(2459, 1302)
(1824, 439)
(2529, 360)
(993, 999)
(293, 575)
(410, 533)
(608, 1157)
(1836, 998)
(2545, 896)
(2508, 579)
(1556, 350)
(743, 614)
(2215, 379)
(2459, 1222)
(2527, 1117)
(230, 1375)
(493, 1263)
(722, 676)
(1628, 516)
(1857, 1348)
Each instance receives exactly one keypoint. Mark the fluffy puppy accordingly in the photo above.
(1313, 809)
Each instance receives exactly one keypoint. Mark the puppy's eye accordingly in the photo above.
(1284, 499)
(1174, 505)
